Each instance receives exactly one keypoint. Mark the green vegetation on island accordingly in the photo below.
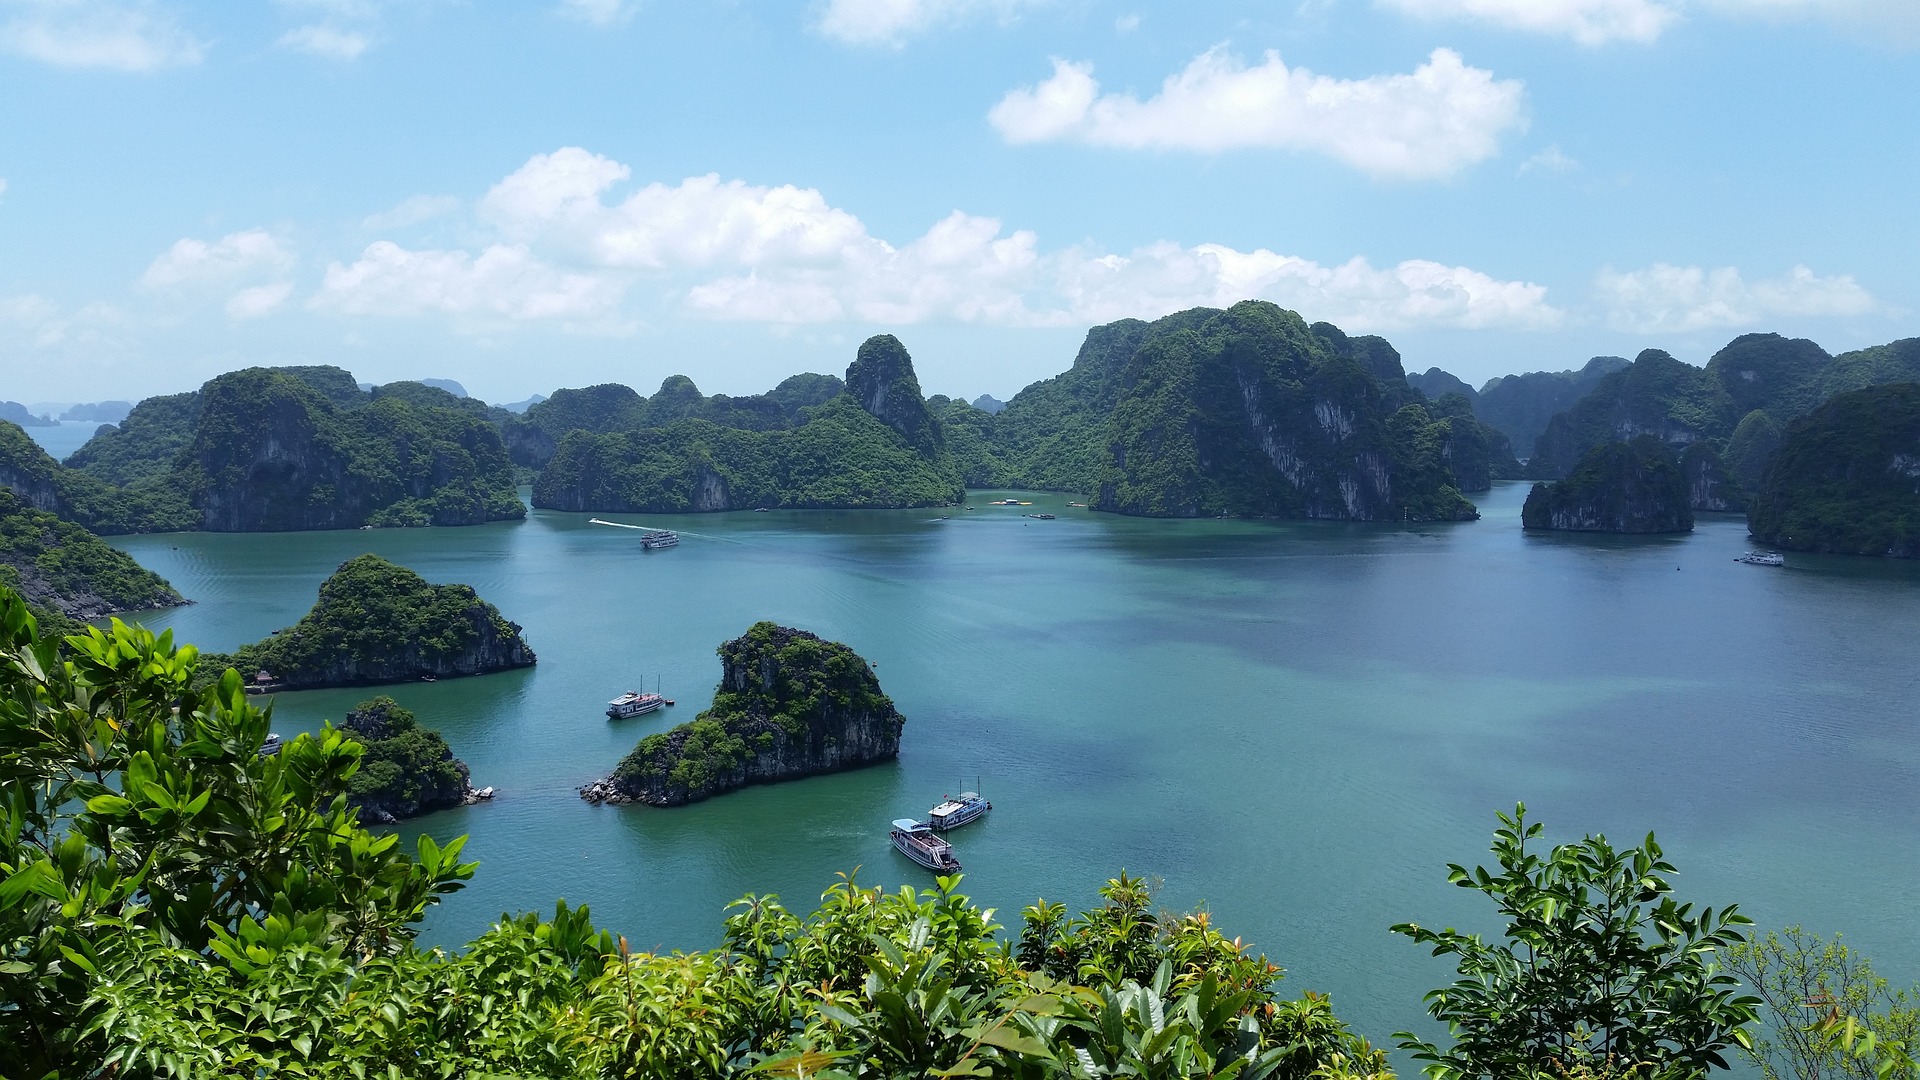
(405, 769)
(873, 443)
(376, 622)
(66, 573)
(172, 904)
(789, 705)
(1636, 486)
(274, 449)
(1846, 478)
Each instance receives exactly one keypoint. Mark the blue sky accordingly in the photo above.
(527, 196)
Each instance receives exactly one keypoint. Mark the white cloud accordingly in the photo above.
(189, 262)
(260, 300)
(1552, 159)
(1678, 299)
(3, 185)
(1126, 24)
(503, 281)
(891, 22)
(1435, 121)
(598, 12)
(1589, 22)
(132, 36)
(411, 211)
(326, 41)
(30, 319)
(699, 222)
(784, 255)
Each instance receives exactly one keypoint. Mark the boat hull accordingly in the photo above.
(940, 859)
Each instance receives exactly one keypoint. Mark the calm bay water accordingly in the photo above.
(1297, 725)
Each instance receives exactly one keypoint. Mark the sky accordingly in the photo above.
(525, 196)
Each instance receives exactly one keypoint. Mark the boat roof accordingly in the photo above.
(947, 807)
(907, 824)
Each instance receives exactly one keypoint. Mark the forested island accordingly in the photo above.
(789, 705)
(1243, 412)
(406, 770)
(66, 574)
(376, 622)
(1636, 486)
(1846, 478)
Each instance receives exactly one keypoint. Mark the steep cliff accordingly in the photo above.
(1252, 413)
(380, 623)
(1710, 485)
(1622, 487)
(1521, 406)
(1846, 478)
(788, 705)
(1657, 395)
(406, 770)
(59, 566)
(840, 455)
(271, 453)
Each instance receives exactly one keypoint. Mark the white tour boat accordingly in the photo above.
(916, 841)
(956, 810)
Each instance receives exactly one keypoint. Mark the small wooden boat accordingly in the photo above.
(916, 841)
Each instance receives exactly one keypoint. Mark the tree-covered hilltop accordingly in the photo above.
(1656, 395)
(789, 705)
(405, 770)
(157, 505)
(1846, 478)
(173, 904)
(68, 573)
(379, 623)
(840, 453)
(1636, 486)
(1251, 412)
(276, 449)
(1521, 406)
(609, 407)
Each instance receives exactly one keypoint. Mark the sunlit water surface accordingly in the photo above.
(1296, 725)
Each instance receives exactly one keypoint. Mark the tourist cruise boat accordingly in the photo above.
(1762, 558)
(659, 538)
(956, 810)
(633, 703)
(916, 841)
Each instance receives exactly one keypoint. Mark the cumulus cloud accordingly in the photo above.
(1433, 122)
(1677, 299)
(131, 36)
(326, 41)
(505, 281)
(1589, 22)
(701, 221)
(189, 262)
(29, 319)
(259, 300)
(729, 250)
(891, 22)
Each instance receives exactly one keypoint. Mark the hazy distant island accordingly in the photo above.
(376, 622)
(67, 574)
(789, 705)
(1619, 487)
(15, 413)
(407, 770)
(1846, 478)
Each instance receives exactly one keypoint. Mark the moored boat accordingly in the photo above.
(633, 703)
(916, 841)
(956, 810)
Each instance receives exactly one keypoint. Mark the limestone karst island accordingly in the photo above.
(994, 539)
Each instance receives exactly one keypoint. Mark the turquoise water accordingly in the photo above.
(1297, 725)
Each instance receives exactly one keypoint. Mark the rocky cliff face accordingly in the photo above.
(1627, 487)
(1252, 413)
(1847, 478)
(881, 379)
(789, 705)
(1710, 486)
